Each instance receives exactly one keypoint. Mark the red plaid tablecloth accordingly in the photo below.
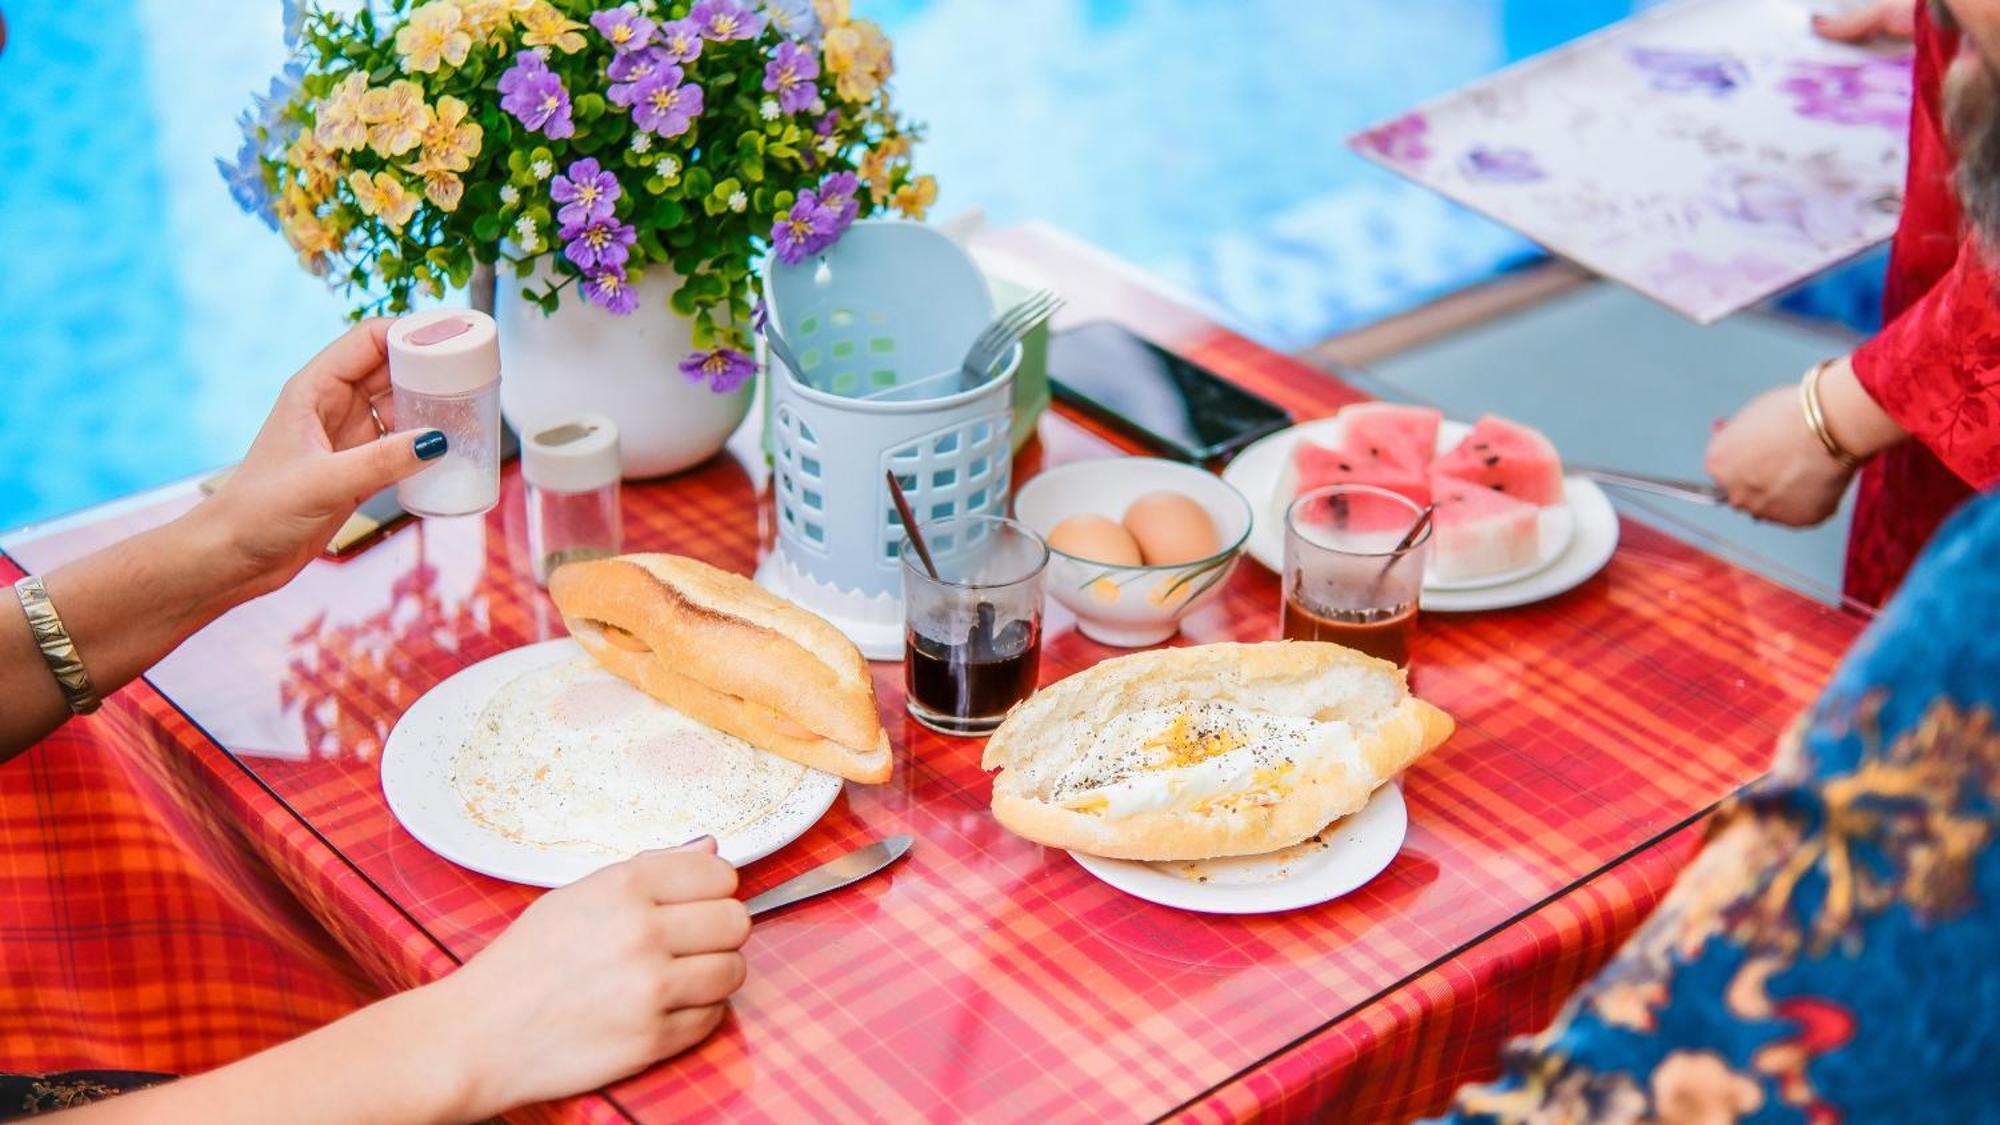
(983, 977)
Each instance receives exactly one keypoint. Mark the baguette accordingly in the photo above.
(724, 651)
(1209, 751)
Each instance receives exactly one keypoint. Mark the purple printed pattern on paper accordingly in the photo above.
(1400, 141)
(1874, 92)
(1501, 165)
(1689, 72)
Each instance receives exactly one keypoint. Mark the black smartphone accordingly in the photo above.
(1180, 408)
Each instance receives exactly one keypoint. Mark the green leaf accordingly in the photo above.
(486, 228)
(669, 213)
(698, 182)
(589, 107)
(682, 302)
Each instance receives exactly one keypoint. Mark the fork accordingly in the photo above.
(1007, 329)
(990, 347)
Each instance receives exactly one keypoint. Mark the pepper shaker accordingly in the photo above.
(444, 370)
(572, 472)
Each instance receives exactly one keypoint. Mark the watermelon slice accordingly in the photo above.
(1317, 466)
(1477, 531)
(1506, 457)
(1390, 433)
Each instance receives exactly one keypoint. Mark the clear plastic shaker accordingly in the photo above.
(444, 369)
(572, 472)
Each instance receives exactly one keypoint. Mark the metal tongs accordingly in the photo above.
(1695, 492)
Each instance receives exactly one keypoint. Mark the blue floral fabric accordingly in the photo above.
(1833, 955)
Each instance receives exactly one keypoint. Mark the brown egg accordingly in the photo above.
(1095, 538)
(1171, 529)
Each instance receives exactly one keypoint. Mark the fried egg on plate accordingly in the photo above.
(1186, 755)
(570, 754)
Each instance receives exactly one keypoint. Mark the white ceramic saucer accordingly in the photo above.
(1341, 859)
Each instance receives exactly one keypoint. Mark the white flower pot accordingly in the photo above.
(581, 359)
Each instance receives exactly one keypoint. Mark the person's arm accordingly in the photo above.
(317, 457)
(1771, 464)
(593, 982)
(1935, 370)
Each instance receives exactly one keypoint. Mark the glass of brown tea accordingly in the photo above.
(1349, 576)
(973, 633)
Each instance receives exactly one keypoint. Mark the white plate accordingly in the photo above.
(1578, 536)
(1349, 853)
(416, 779)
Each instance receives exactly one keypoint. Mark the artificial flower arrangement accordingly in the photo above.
(403, 145)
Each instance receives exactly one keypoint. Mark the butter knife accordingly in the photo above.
(1698, 492)
(832, 875)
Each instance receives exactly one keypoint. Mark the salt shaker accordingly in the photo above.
(572, 474)
(444, 369)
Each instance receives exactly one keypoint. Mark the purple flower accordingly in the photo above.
(1689, 72)
(624, 28)
(804, 229)
(1874, 92)
(662, 105)
(837, 192)
(1400, 141)
(790, 75)
(598, 243)
(795, 19)
(627, 70)
(1501, 165)
(724, 369)
(587, 193)
(681, 40)
(535, 96)
(608, 290)
(723, 20)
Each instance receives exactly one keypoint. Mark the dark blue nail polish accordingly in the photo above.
(431, 445)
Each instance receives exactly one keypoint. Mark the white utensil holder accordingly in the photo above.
(890, 304)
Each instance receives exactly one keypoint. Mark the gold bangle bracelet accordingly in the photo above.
(1815, 414)
(57, 648)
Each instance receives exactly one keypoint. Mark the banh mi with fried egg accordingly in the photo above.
(1209, 751)
(724, 651)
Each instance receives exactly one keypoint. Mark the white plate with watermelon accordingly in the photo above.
(1510, 527)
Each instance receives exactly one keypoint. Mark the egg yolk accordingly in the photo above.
(1185, 744)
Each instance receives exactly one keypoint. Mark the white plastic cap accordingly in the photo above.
(444, 352)
(579, 455)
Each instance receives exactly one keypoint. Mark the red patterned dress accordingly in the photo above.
(1936, 366)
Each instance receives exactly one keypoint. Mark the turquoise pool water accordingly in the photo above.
(146, 323)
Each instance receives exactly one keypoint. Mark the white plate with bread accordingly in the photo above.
(1542, 534)
(688, 701)
(1338, 859)
(1225, 761)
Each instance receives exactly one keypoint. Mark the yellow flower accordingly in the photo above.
(317, 169)
(914, 199)
(397, 117)
(831, 13)
(444, 189)
(300, 223)
(340, 126)
(487, 19)
(451, 142)
(547, 27)
(857, 55)
(434, 36)
(879, 162)
(383, 196)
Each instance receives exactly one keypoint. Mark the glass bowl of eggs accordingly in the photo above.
(1135, 543)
